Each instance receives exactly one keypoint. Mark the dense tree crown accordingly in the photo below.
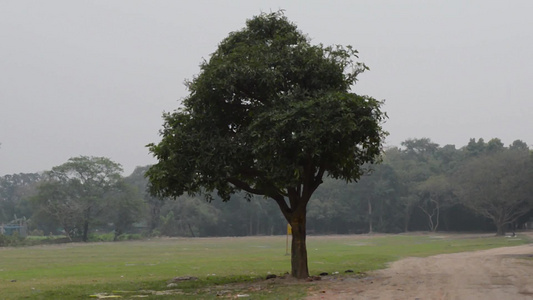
(269, 114)
(267, 110)
(497, 184)
(74, 192)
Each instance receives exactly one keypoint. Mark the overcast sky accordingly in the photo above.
(93, 77)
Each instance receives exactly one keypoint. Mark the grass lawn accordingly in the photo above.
(223, 266)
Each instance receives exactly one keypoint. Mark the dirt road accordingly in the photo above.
(496, 274)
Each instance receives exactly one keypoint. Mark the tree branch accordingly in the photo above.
(260, 177)
(246, 187)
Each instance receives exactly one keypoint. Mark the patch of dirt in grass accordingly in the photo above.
(259, 286)
(494, 274)
(249, 289)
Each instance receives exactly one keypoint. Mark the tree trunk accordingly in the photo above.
(117, 233)
(67, 232)
(430, 218)
(251, 225)
(85, 236)
(190, 230)
(407, 219)
(438, 217)
(296, 216)
(380, 224)
(500, 223)
(500, 229)
(155, 215)
(370, 217)
(258, 225)
(299, 268)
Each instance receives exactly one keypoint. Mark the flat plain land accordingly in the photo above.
(492, 274)
(224, 267)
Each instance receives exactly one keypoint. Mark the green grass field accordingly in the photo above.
(224, 266)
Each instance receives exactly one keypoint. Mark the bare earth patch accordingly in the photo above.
(501, 273)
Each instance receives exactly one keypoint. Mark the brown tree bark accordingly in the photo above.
(299, 266)
(500, 230)
(293, 205)
(500, 226)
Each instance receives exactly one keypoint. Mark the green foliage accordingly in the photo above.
(105, 237)
(420, 190)
(73, 192)
(125, 206)
(153, 204)
(399, 191)
(130, 237)
(111, 236)
(188, 216)
(269, 112)
(14, 189)
(15, 240)
(10, 240)
(36, 232)
(497, 185)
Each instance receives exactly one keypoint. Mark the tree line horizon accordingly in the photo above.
(419, 186)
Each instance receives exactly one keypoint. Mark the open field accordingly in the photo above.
(223, 266)
(492, 274)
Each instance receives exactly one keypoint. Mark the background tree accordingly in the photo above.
(519, 145)
(270, 114)
(152, 203)
(57, 200)
(334, 208)
(435, 193)
(189, 216)
(124, 207)
(74, 192)
(423, 148)
(376, 194)
(497, 185)
(495, 145)
(413, 165)
(14, 190)
(474, 148)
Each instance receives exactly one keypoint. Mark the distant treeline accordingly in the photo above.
(483, 186)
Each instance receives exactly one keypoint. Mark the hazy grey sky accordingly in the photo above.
(93, 77)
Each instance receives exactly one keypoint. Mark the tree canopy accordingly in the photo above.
(497, 185)
(73, 192)
(270, 114)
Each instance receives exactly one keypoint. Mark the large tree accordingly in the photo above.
(74, 192)
(497, 185)
(269, 114)
(434, 194)
(413, 165)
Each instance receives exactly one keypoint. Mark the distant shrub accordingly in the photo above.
(129, 237)
(101, 237)
(37, 232)
(5, 240)
(13, 240)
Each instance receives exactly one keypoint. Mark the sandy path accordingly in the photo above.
(495, 274)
